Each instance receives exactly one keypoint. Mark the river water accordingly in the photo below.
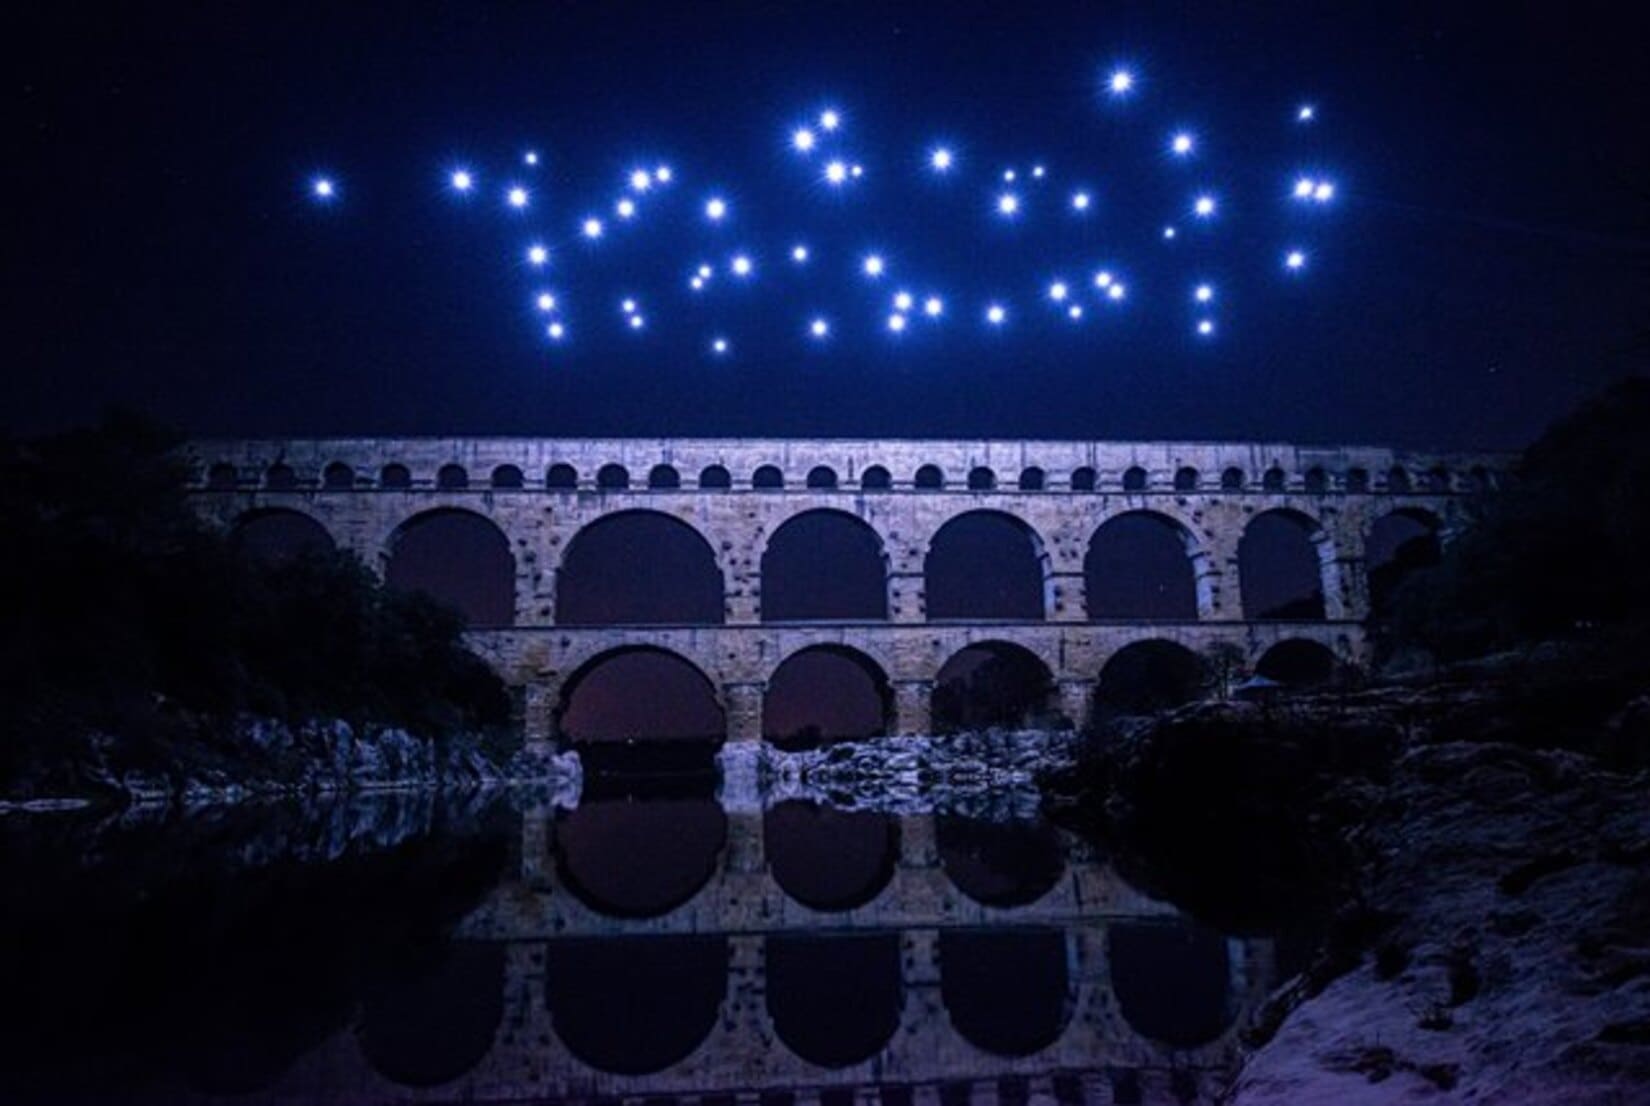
(647, 941)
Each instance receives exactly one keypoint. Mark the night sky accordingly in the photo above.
(1482, 266)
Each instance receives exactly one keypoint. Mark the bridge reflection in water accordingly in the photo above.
(674, 950)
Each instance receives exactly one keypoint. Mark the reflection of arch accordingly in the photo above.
(278, 533)
(875, 479)
(1400, 542)
(986, 565)
(459, 557)
(824, 564)
(823, 693)
(1280, 566)
(431, 1028)
(834, 1000)
(1298, 662)
(638, 567)
(600, 700)
(639, 859)
(1147, 676)
(1007, 992)
(1171, 979)
(1139, 565)
(999, 863)
(991, 683)
(829, 859)
(635, 1005)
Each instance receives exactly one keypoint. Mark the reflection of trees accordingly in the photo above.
(1006, 690)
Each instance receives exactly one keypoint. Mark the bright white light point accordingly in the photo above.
(719, 346)
(829, 120)
(538, 255)
(1203, 206)
(716, 209)
(636, 322)
(933, 306)
(896, 323)
(1181, 144)
(697, 284)
(1038, 171)
(1324, 192)
(1121, 82)
(1080, 201)
(546, 301)
(940, 159)
(1304, 187)
(995, 315)
(1075, 311)
(323, 188)
(858, 171)
(530, 157)
(803, 140)
(640, 180)
(591, 228)
(463, 181)
(705, 272)
(1058, 291)
(1295, 260)
(517, 197)
(873, 265)
(556, 332)
(836, 172)
(625, 208)
(1008, 176)
(1306, 113)
(662, 174)
(742, 266)
(903, 301)
(819, 328)
(1008, 204)
(1116, 291)
(1204, 293)
(1168, 232)
(1205, 327)
(629, 306)
(799, 254)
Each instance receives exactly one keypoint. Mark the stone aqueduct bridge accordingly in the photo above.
(736, 494)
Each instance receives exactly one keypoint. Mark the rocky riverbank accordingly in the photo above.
(1478, 852)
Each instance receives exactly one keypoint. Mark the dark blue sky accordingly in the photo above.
(1482, 269)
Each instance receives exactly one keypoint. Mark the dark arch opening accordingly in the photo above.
(561, 476)
(823, 694)
(835, 1000)
(999, 863)
(664, 477)
(395, 475)
(985, 565)
(1134, 479)
(1273, 479)
(929, 476)
(822, 476)
(715, 477)
(1436, 479)
(280, 478)
(1032, 479)
(824, 564)
(638, 568)
(459, 558)
(875, 479)
(1298, 663)
(278, 534)
(1317, 481)
(612, 477)
(981, 479)
(222, 477)
(338, 477)
(1083, 479)
(431, 1028)
(992, 684)
(1144, 677)
(1397, 479)
(1232, 480)
(768, 478)
(1278, 568)
(639, 694)
(635, 1005)
(1400, 543)
(829, 859)
(1138, 567)
(1007, 992)
(629, 859)
(1357, 480)
(1185, 479)
(508, 476)
(1172, 980)
(452, 478)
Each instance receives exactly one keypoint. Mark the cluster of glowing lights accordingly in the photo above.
(823, 135)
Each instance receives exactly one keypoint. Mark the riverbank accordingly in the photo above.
(1476, 850)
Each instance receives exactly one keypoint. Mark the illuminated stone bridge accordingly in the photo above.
(746, 518)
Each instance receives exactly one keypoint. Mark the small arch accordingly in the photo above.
(664, 477)
(507, 477)
(1436, 479)
(1357, 480)
(338, 477)
(835, 1000)
(826, 858)
(981, 479)
(1185, 479)
(458, 557)
(222, 477)
(1145, 677)
(1274, 480)
(768, 478)
(1298, 663)
(1280, 569)
(274, 534)
(561, 477)
(821, 476)
(280, 477)
(992, 684)
(1083, 479)
(395, 475)
(1397, 480)
(928, 476)
(825, 693)
(452, 477)
(612, 477)
(639, 567)
(1172, 980)
(1139, 566)
(715, 478)
(1134, 479)
(432, 1026)
(1032, 479)
(986, 565)
(1006, 991)
(1232, 479)
(1316, 481)
(875, 479)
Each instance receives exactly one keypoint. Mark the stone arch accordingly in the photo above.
(627, 859)
(1135, 479)
(459, 557)
(1357, 480)
(1017, 585)
(1436, 479)
(821, 477)
(835, 1000)
(431, 1027)
(1274, 480)
(1172, 980)
(824, 564)
(829, 859)
(875, 479)
(825, 693)
(981, 479)
(639, 567)
(1298, 663)
(1008, 992)
(1083, 479)
(992, 684)
(222, 477)
(928, 476)
(279, 533)
(1032, 479)
(635, 1005)
(561, 476)
(664, 477)
(1141, 565)
(715, 478)
(1401, 541)
(452, 477)
(768, 478)
(1185, 479)
(280, 477)
(1001, 864)
(1148, 676)
(395, 475)
(683, 703)
(1397, 480)
(612, 477)
(1282, 558)
(1232, 479)
(1316, 481)
(338, 477)
(507, 477)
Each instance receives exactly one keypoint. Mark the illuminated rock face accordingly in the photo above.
(535, 497)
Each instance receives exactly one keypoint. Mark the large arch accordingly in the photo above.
(835, 1000)
(1144, 677)
(639, 567)
(1172, 980)
(1139, 566)
(829, 859)
(826, 693)
(999, 864)
(635, 1005)
(1298, 663)
(459, 557)
(629, 859)
(1280, 567)
(1006, 991)
(1399, 543)
(984, 565)
(992, 683)
(431, 1028)
(824, 564)
(278, 533)
(599, 701)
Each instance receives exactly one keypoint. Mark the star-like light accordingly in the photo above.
(323, 188)
(531, 157)
(1181, 144)
(628, 306)
(1102, 279)
(697, 284)
(706, 272)
(1038, 172)
(1205, 327)
(1294, 260)
(719, 346)
(1324, 192)
(546, 301)
(640, 180)
(819, 329)
(1058, 291)
(625, 208)
(1120, 83)
(716, 209)
(537, 255)
(1116, 291)
(896, 322)
(1080, 201)
(1008, 176)
(830, 119)
(996, 314)
(1075, 312)
(1204, 206)
(1306, 114)
(873, 265)
(1008, 205)
(591, 228)
(742, 265)
(1169, 233)
(637, 322)
(1304, 187)
(1203, 293)
(939, 159)
(836, 172)
(799, 254)
(857, 171)
(557, 331)
(516, 197)
(903, 301)
(462, 180)
(661, 174)
(802, 140)
(933, 307)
